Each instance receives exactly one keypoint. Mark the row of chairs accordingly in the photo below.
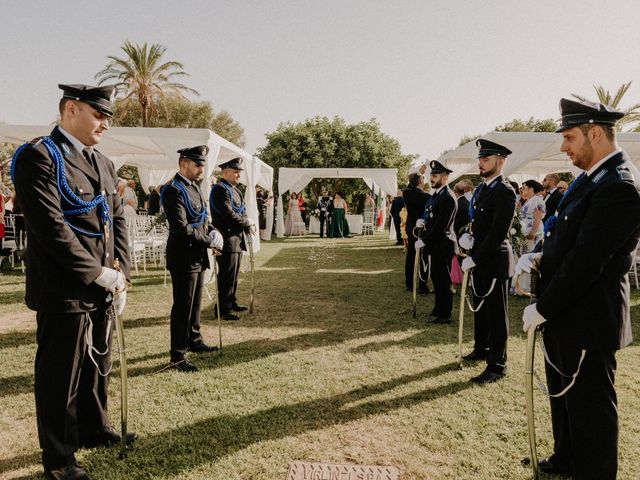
(15, 241)
(147, 241)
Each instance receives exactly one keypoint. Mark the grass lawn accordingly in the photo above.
(331, 367)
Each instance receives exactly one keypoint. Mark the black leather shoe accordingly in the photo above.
(239, 308)
(184, 366)
(442, 321)
(230, 316)
(105, 437)
(487, 377)
(68, 472)
(202, 348)
(547, 466)
(475, 356)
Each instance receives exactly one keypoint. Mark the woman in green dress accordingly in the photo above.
(339, 226)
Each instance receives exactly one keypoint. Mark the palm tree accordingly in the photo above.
(141, 74)
(632, 113)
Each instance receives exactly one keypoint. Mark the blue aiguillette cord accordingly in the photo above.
(201, 216)
(78, 206)
(241, 209)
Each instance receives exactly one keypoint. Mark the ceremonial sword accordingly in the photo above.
(528, 376)
(253, 268)
(124, 391)
(463, 293)
(416, 267)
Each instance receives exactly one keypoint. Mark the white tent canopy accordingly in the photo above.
(534, 154)
(154, 152)
(295, 179)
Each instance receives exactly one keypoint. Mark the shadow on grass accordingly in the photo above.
(17, 297)
(167, 454)
(17, 339)
(20, 461)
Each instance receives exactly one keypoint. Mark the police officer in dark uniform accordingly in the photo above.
(415, 199)
(583, 291)
(438, 240)
(190, 235)
(492, 209)
(76, 230)
(229, 215)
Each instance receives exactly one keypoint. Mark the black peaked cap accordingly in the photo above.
(197, 154)
(100, 98)
(577, 112)
(487, 148)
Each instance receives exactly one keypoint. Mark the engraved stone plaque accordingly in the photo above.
(299, 470)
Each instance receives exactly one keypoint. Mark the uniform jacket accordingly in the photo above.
(232, 225)
(61, 263)
(414, 199)
(438, 235)
(186, 245)
(551, 204)
(396, 205)
(462, 215)
(495, 206)
(584, 287)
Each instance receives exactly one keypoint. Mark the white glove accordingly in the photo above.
(120, 302)
(527, 262)
(419, 244)
(111, 280)
(531, 318)
(466, 241)
(467, 264)
(420, 223)
(216, 239)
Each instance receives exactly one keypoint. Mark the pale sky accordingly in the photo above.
(429, 71)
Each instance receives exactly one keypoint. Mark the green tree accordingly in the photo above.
(531, 125)
(181, 113)
(321, 142)
(143, 75)
(632, 113)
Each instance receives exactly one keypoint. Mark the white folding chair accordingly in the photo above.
(367, 222)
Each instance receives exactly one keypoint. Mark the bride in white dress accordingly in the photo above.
(294, 225)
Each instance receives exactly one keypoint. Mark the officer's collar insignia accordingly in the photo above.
(599, 176)
(66, 149)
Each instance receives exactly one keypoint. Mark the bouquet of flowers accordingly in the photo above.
(315, 213)
(516, 237)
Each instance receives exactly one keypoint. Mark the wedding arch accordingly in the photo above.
(295, 179)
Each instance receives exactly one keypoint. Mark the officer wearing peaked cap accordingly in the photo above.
(76, 229)
(229, 215)
(491, 210)
(583, 291)
(190, 235)
(438, 240)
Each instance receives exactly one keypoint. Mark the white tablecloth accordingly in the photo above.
(355, 224)
(354, 221)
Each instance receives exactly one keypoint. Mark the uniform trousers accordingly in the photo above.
(324, 220)
(408, 268)
(491, 321)
(70, 394)
(585, 419)
(185, 312)
(228, 271)
(440, 272)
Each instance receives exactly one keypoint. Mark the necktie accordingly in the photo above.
(90, 156)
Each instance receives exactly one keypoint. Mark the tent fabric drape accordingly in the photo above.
(296, 179)
(154, 152)
(534, 154)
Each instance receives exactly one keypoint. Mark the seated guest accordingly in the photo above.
(153, 206)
